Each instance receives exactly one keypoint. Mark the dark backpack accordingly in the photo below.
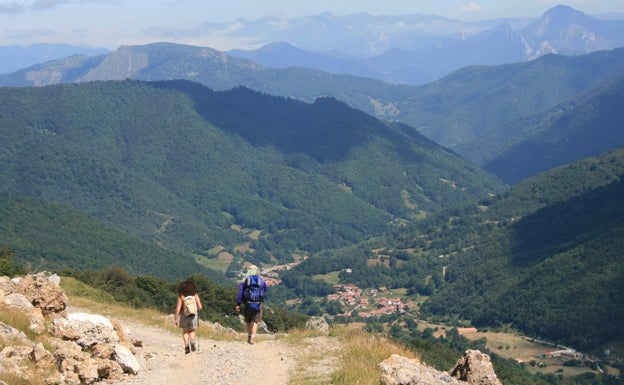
(252, 293)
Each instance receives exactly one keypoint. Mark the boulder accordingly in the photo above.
(474, 368)
(399, 370)
(126, 360)
(43, 292)
(88, 348)
(318, 323)
(41, 357)
(85, 329)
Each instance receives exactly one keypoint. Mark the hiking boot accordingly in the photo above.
(187, 350)
(193, 347)
(250, 340)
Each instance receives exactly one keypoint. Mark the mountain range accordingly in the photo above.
(481, 112)
(410, 49)
(419, 49)
(15, 57)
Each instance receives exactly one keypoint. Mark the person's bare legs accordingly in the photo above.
(252, 328)
(192, 339)
(186, 337)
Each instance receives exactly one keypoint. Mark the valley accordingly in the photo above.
(482, 208)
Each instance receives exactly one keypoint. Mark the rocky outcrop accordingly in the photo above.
(87, 348)
(318, 323)
(474, 368)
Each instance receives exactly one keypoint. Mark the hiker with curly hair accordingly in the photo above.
(186, 314)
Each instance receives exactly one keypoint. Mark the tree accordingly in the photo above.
(7, 267)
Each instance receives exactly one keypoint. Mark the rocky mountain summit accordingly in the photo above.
(61, 347)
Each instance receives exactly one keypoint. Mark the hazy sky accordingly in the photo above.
(111, 23)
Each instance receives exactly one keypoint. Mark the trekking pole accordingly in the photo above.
(197, 331)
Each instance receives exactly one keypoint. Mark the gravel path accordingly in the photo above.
(163, 361)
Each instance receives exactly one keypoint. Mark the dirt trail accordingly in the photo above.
(163, 361)
(270, 361)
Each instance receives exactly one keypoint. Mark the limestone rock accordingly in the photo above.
(86, 329)
(41, 357)
(43, 292)
(10, 333)
(399, 370)
(126, 360)
(317, 323)
(88, 348)
(474, 368)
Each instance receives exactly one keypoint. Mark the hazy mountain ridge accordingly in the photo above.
(586, 126)
(15, 58)
(411, 49)
(429, 47)
(478, 111)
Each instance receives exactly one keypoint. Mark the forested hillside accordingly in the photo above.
(191, 169)
(468, 110)
(546, 257)
(52, 236)
(588, 125)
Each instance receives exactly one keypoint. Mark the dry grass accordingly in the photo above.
(31, 374)
(82, 296)
(362, 354)
(14, 379)
(348, 356)
(20, 321)
(316, 354)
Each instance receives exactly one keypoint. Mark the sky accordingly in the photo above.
(112, 23)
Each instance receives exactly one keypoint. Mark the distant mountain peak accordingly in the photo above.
(564, 11)
(560, 17)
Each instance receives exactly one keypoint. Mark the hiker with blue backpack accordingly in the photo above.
(251, 292)
(186, 314)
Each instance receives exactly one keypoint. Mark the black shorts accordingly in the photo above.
(253, 315)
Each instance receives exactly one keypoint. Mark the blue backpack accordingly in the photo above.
(252, 292)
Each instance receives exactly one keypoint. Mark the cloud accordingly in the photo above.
(48, 4)
(471, 7)
(13, 7)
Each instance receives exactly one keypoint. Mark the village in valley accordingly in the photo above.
(369, 303)
(357, 301)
